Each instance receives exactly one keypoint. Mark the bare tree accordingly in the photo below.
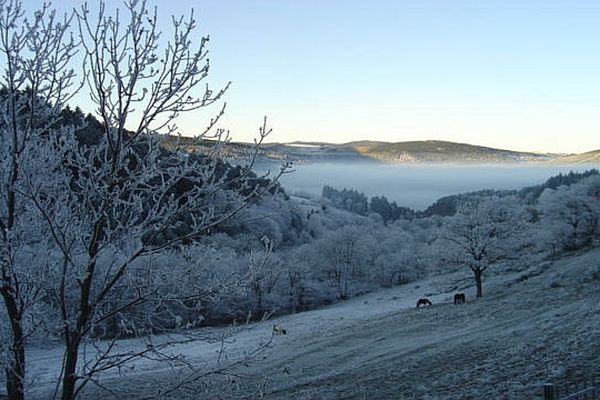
(36, 82)
(264, 271)
(108, 206)
(296, 273)
(480, 235)
(343, 251)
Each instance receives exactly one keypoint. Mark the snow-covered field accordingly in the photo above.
(532, 326)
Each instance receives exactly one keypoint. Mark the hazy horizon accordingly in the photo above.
(505, 74)
(424, 140)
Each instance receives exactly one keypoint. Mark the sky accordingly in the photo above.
(522, 75)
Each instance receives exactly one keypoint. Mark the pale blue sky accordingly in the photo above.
(514, 74)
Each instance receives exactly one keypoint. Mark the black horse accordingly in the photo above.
(423, 302)
(460, 298)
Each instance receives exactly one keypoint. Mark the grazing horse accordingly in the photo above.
(423, 302)
(460, 298)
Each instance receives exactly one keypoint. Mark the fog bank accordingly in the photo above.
(418, 186)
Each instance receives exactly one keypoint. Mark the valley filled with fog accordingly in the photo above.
(418, 186)
(323, 261)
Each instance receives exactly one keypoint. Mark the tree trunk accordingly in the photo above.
(478, 275)
(300, 298)
(15, 371)
(73, 336)
(292, 295)
(70, 376)
(259, 302)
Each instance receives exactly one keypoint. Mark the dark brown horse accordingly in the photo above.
(423, 302)
(460, 298)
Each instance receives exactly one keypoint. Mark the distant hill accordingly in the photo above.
(238, 153)
(306, 152)
(441, 151)
(428, 151)
(590, 157)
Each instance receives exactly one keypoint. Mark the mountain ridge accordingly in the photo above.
(407, 152)
(582, 158)
(425, 151)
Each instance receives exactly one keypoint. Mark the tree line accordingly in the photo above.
(357, 202)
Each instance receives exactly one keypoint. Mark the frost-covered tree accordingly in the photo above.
(296, 273)
(481, 234)
(264, 271)
(35, 83)
(343, 253)
(129, 199)
(570, 215)
(396, 258)
(110, 204)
